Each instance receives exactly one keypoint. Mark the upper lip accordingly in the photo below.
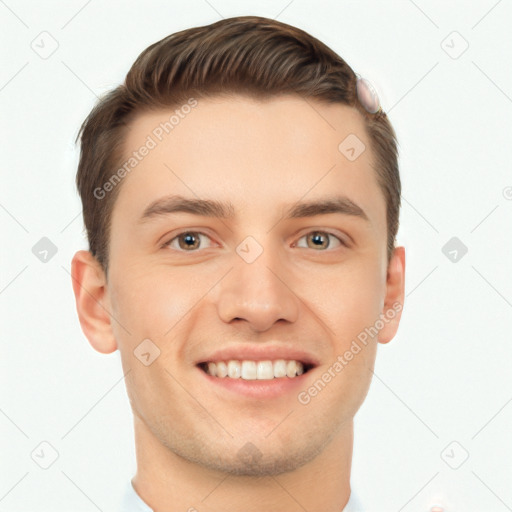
(261, 353)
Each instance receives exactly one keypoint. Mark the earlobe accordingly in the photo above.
(395, 294)
(92, 302)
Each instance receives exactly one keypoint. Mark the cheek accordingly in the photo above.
(355, 309)
(150, 300)
(142, 302)
(351, 299)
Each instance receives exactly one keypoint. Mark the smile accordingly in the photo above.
(255, 370)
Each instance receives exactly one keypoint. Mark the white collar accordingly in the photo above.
(353, 504)
(132, 502)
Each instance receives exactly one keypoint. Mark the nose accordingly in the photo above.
(259, 293)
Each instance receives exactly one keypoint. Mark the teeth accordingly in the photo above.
(255, 370)
(280, 368)
(249, 370)
(265, 370)
(212, 369)
(233, 369)
(222, 369)
(291, 368)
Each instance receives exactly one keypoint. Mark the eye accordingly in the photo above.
(187, 241)
(320, 239)
(190, 241)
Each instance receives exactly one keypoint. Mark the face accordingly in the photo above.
(262, 282)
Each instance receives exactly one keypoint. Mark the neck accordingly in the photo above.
(164, 478)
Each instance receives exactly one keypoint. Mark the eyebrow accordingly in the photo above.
(224, 209)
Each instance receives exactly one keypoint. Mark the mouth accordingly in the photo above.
(273, 371)
(249, 370)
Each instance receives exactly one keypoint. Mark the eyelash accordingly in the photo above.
(167, 244)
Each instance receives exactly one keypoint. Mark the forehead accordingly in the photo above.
(252, 153)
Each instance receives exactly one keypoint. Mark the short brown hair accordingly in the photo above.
(250, 55)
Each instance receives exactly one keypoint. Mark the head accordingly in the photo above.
(194, 176)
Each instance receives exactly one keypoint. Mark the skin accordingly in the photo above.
(263, 157)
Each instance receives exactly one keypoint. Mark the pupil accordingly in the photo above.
(189, 240)
(317, 239)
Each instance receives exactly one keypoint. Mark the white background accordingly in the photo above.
(445, 377)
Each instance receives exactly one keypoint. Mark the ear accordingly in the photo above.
(93, 302)
(395, 292)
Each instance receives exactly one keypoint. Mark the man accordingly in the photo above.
(241, 197)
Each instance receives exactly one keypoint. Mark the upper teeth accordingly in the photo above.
(255, 370)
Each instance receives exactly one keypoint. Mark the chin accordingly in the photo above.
(253, 459)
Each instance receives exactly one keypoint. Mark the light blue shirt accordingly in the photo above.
(132, 502)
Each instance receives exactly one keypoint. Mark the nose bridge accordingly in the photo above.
(256, 290)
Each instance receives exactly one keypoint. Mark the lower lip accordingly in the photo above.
(259, 388)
